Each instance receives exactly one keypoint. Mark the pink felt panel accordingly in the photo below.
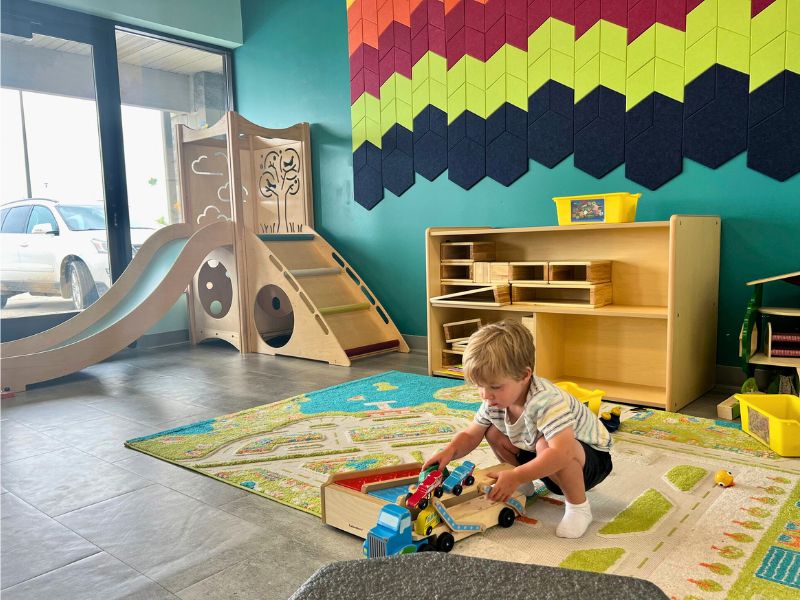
(357, 61)
(385, 42)
(615, 11)
(493, 10)
(587, 13)
(475, 43)
(456, 47)
(641, 18)
(516, 33)
(473, 15)
(672, 13)
(495, 37)
(517, 8)
(454, 20)
(419, 19)
(371, 61)
(436, 41)
(387, 67)
(371, 83)
(356, 87)
(538, 13)
(402, 37)
(563, 10)
(419, 46)
(758, 5)
(436, 13)
(402, 62)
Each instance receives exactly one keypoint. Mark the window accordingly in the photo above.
(16, 219)
(41, 216)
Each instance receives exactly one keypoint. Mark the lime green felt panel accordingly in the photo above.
(539, 42)
(640, 85)
(539, 72)
(670, 44)
(587, 46)
(475, 72)
(793, 52)
(669, 79)
(562, 37)
(768, 62)
(457, 76)
(438, 91)
(517, 92)
(496, 95)
(700, 56)
(476, 100)
(516, 62)
(587, 78)
(496, 66)
(701, 21)
(641, 51)
(562, 68)
(768, 25)
(612, 73)
(733, 50)
(456, 103)
(734, 16)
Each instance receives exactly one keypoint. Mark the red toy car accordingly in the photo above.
(431, 485)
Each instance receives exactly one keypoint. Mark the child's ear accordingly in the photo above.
(528, 374)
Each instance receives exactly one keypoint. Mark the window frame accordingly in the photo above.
(25, 17)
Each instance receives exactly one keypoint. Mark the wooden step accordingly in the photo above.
(344, 308)
(372, 349)
(316, 272)
(286, 237)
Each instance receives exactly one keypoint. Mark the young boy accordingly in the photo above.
(532, 424)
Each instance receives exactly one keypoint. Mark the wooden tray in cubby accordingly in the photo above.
(491, 295)
(587, 295)
(456, 271)
(466, 251)
(579, 272)
(460, 330)
(528, 272)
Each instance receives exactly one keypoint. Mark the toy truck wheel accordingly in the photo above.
(445, 542)
(426, 547)
(457, 489)
(506, 517)
(438, 492)
(469, 480)
(428, 530)
(422, 503)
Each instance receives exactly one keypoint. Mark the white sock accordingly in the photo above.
(577, 518)
(528, 488)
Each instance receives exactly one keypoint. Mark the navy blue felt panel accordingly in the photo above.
(507, 150)
(430, 142)
(476, 128)
(398, 160)
(466, 157)
(715, 130)
(367, 177)
(550, 124)
(653, 155)
(457, 130)
(600, 142)
(774, 143)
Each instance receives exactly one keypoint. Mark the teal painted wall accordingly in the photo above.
(294, 66)
(212, 21)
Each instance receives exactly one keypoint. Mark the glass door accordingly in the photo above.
(53, 237)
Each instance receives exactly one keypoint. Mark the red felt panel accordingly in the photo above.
(357, 61)
(496, 37)
(475, 43)
(456, 47)
(473, 15)
(402, 62)
(436, 41)
(387, 67)
(436, 13)
(587, 13)
(385, 17)
(672, 13)
(615, 11)
(385, 42)
(692, 4)
(419, 46)
(516, 33)
(517, 8)
(454, 20)
(371, 83)
(371, 61)
(493, 10)
(402, 37)
(419, 18)
(563, 10)
(757, 6)
(356, 86)
(538, 13)
(641, 18)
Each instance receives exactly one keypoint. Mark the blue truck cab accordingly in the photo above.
(392, 534)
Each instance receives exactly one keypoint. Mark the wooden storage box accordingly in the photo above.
(527, 272)
(574, 294)
(490, 272)
(460, 330)
(471, 251)
(579, 271)
(456, 271)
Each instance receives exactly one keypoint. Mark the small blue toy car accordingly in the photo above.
(459, 477)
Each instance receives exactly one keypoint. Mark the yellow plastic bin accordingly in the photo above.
(617, 207)
(591, 397)
(773, 419)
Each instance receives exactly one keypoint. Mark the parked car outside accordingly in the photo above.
(52, 248)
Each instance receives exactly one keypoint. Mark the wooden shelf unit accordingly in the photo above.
(654, 346)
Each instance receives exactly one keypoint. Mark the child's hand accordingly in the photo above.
(506, 483)
(442, 457)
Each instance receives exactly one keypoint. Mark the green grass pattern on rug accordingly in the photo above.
(685, 477)
(598, 560)
(641, 515)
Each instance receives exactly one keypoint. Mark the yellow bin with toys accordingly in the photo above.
(616, 207)
(773, 419)
(592, 398)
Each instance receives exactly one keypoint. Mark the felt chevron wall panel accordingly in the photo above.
(477, 88)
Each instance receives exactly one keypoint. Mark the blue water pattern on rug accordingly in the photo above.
(206, 426)
(412, 390)
(781, 565)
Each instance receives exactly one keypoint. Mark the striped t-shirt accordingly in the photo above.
(548, 411)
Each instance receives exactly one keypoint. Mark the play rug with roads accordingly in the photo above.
(658, 516)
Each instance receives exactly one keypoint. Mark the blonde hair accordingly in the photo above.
(497, 351)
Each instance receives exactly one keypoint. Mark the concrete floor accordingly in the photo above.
(83, 517)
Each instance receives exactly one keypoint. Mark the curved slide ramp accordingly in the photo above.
(149, 287)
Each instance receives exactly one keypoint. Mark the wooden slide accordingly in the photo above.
(149, 287)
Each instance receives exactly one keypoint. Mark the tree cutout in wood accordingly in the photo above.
(280, 183)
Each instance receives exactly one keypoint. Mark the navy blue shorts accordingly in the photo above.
(595, 469)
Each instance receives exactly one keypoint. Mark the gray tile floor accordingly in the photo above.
(84, 517)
